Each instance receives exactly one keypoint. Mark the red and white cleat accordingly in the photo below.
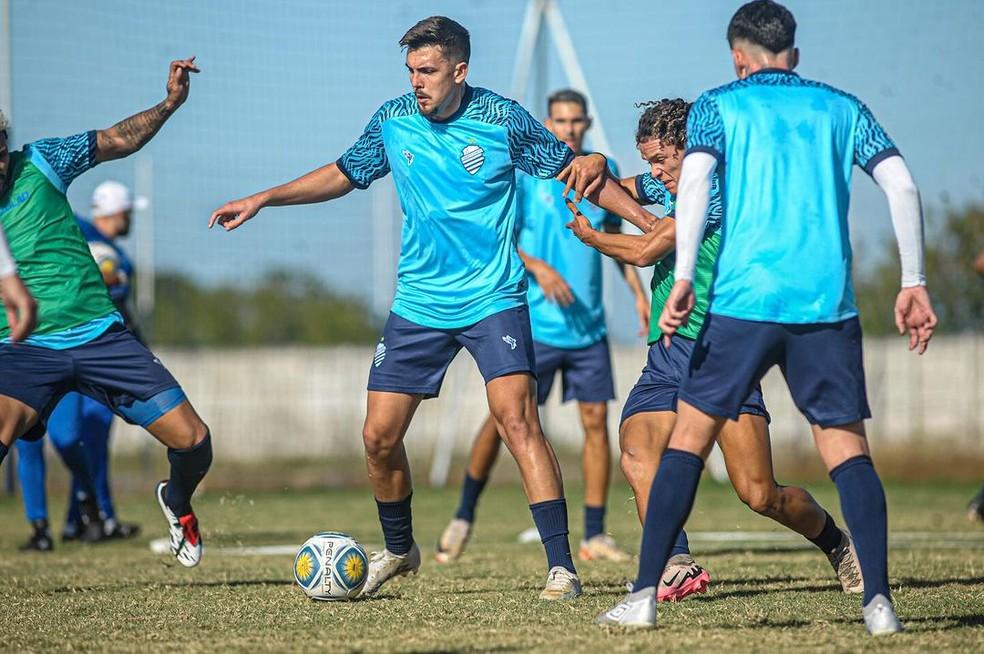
(186, 540)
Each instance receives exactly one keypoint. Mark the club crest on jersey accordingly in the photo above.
(472, 158)
(408, 156)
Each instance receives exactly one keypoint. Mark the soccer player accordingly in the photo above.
(782, 289)
(79, 426)
(975, 510)
(454, 151)
(650, 410)
(569, 336)
(80, 343)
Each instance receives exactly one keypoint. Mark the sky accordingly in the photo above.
(287, 87)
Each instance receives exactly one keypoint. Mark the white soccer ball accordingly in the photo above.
(331, 566)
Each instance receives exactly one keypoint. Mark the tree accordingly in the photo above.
(283, 308)
(956, 287)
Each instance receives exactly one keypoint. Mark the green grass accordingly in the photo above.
(121, 597)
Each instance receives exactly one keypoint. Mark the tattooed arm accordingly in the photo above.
(129, 135)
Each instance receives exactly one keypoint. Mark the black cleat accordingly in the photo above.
(91, 524)
(40, 540)
(113, 529)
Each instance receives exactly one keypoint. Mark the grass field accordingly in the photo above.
(775, 596)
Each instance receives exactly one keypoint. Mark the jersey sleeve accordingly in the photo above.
(533, 149)
(705, 128)
(63, 159)
(871, 144)
(651, 191)
(366, 161)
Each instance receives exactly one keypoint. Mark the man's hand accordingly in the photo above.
(179, 81)
(676, 311)
(914, 312)
(233, 214)
(22, 310)
(554, 286)
(581, 226)
(586, 174)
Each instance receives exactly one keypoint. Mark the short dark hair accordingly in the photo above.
(568, 95)
(764, 23)
(664, 120)
(443, 32)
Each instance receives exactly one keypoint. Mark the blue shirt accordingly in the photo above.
(543, 217)
(119, 292)
(787, 147)
(457, 186)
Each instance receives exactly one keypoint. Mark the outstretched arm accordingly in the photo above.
(588, 176)
(325, 183)
(129, 135)
(642, 250)
(913, 307)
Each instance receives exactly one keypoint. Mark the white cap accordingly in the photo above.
(111, 197)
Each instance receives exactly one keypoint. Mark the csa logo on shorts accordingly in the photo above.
(510, 341)
(472, 158)
(380, 354)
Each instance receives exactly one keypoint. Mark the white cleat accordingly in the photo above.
(562, 584)
(602, 548)
(879, 617)
(844, 561)
(637, 610)
(186, 539)
(452, 543)
(385, 565)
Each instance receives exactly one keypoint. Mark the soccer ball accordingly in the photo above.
(331, 566)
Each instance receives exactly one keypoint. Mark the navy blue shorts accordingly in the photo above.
(660, 381)
(822, 364)
(113, 368)
(586, 373)
(413, 359)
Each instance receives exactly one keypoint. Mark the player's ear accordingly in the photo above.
(738, 57)
(460, 72)
(794, 58)
(587, 123)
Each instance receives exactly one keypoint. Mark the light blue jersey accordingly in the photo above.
(457, 185)
(543, 234)
(787, 147)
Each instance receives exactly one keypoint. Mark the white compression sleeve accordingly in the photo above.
(892, 176)
(7, 266)
(693, 196)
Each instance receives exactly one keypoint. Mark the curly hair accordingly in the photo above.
(664, 120)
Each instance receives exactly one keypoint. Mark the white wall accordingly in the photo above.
(310, 402)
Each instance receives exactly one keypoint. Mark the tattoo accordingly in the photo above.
(130, 134)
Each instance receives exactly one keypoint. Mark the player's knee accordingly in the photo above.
(594, 417)
(759, 497)
(190, 432)
(516, 429)
(378, 442)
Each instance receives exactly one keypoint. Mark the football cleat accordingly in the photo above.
(844, 561)
(114, 529)
(879, 617)
(40, 540)
(602, 548)
(562, 584)
(385, 565)
(186, 539)
(637, 610)
(90, 529)
(682, 577)
(452, 543)
(975, 510)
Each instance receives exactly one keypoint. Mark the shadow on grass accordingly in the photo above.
(190, 584)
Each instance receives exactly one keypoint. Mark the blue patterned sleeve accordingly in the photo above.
(533, 149)
(63, 159)
(651, 191)
(871, 144)
(366, 161)
(705, 129)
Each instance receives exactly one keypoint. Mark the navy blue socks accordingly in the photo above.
(396, 519)
(188, 468)
(471, 489)
(829, 537)
(862, 501)
(594, 521)
(671, 498)
(681, 545)
(550, 518)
